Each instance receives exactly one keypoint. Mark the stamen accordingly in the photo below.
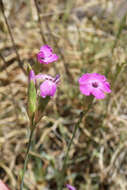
(95, 84)
(57, 78)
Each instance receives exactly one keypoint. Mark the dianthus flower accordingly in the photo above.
(48, 86)
(70, 187)
(45, 55)
(94, 84)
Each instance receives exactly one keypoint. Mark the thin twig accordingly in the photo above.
(82, 114)
(61, 54)
(118, 34)
(11, 36)
(39, 21)
(120, 29)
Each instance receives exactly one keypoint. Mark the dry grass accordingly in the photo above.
(89, 36)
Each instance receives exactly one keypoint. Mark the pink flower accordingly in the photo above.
(46, 56)
(48, 86)
(70, 187)
(94, 84)
(3, 186)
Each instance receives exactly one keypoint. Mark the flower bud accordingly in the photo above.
(32, 96)
(70, 187)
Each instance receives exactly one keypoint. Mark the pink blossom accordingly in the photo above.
(48, 86)
(3, 186)
(70, 187)
(46, 56)
(94, 84)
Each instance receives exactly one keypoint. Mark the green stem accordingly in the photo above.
(26, 157)
(82, 114)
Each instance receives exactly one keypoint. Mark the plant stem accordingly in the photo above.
(120, 29)
(69, 75)
(26, 157)
(39, 22)
(11, 36)
(82, 114)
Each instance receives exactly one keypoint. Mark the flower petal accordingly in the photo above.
(106, 87)
(98, 76)
(47, 88)
(85, 89)
(44, 77)
(84, 78)
(40, 57)
(50, 59)
(98, 93)
(47, 50)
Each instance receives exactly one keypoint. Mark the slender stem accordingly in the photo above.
(26, 158)
(120, 29)
(11, 36)
(60, 53)
(39, 21)
(82, 114)
(71, 141)
(118, 34)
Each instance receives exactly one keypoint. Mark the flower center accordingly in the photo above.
(94, 84)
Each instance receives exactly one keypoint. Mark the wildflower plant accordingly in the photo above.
(93, 85)
(41, 87)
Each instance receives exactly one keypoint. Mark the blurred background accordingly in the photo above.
(88, 36)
